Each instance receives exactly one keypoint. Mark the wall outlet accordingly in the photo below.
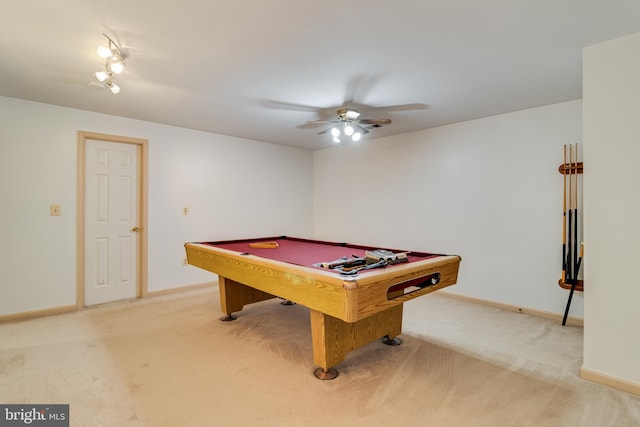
(185, 211)
(185, 262)
(55, 210)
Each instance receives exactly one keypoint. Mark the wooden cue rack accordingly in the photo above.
(571, 168)
(579, 285)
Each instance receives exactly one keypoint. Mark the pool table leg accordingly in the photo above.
(334, 338)
(234, 296)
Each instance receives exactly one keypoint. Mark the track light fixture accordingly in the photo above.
(114, 64)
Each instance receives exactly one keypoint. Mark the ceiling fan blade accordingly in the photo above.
(309, 125)
(363, 130)
(321, 122)
(376, 121)
(358, 87)
(289, 106)
(312, 124)
(399, 107)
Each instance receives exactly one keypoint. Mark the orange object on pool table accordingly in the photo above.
(347, 311)
(264, 245)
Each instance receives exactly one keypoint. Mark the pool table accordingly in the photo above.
(348, 308)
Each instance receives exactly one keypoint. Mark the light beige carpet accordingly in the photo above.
(169, 361)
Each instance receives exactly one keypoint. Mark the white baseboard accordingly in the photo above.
(24, 315)
(571, 321)
(610, 381)
(14, 317)
(179, 289)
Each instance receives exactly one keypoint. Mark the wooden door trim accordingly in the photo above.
(142, 285)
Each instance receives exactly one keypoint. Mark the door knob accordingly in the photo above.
(135, 229)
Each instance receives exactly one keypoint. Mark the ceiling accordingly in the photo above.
(260, 69)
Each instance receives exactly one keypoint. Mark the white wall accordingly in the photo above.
(233, 187)
(612, 208)
(488, 190)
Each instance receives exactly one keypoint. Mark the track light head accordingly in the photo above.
(101, 76)
(115, 63)
(104, 51)
(115, 89)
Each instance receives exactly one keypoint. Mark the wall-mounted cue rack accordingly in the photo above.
(572, 245)
(568, 169)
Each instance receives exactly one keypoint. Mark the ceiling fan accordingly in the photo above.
(349, 124)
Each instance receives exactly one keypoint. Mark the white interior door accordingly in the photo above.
(111, 221)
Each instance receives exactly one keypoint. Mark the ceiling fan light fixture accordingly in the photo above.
(348, 130)
(352, 114)
(348, 114)
(350, 124)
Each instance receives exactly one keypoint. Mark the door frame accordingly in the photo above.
(142, 252)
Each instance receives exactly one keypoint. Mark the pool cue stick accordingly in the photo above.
(564, 218)
(573, 286)
(575, 221)
(575, 267)
(566, 310)
(570, 221)
(580, 258)
(570, 243)
(579, 261)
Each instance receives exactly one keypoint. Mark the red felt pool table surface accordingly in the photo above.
(347, 311)
(306, 252)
